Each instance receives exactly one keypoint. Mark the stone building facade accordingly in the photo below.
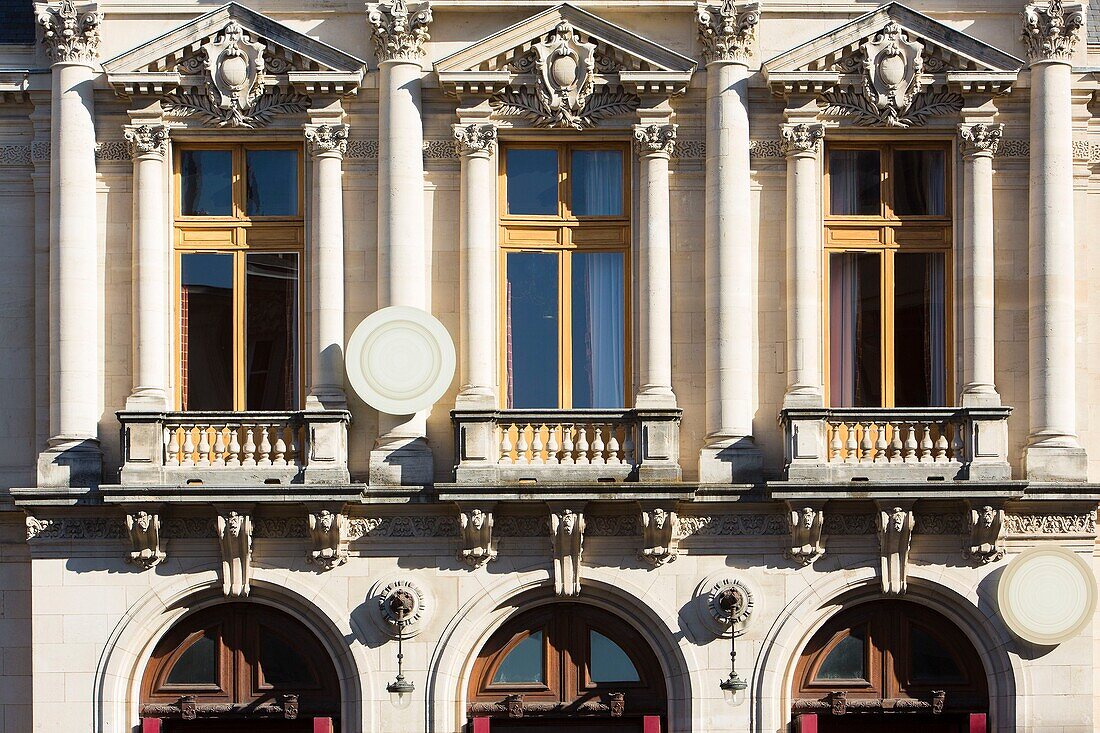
(776, 355)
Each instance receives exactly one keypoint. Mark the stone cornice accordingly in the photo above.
(399, 32)
(70, 35)
(1050, 31)
(327, 138)
(727, 31)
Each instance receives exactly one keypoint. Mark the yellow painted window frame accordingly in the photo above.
(563, 234)
(888, 234)
(237, 235)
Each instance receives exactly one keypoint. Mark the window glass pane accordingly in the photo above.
(847, 660)
(929, 661)
(919, 181)
(855, 339)
(599, 330)
(206, 331)
(854, 183)
(206, 182)
(281, 664)
(597, 182)
(531, 329)
(271, 178)
(523, 664)
(198, 665)
(271, 314)
(920, 360)
(607, 661)
(532, 181)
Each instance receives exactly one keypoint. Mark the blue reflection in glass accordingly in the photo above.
(272, 182)
(531, 330)
(532, 181)
(597, 182)
(607, 660)
(523, 664)
(206, 182)
(599, 330)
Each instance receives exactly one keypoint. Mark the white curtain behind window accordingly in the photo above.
(604, 346)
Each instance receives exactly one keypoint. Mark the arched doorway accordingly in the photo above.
(889, 666)
(241, 667)
(567, 666)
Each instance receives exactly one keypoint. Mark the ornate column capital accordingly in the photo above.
(1052, 30)
(980, 138)
(802, 138)
(728, 31)
(475, 139)
(69, 34)
(399, 32)
(147, 139)
(654, 140)
(326, 138)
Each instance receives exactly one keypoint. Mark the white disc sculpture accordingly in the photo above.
(400, 360)
(1047, 595)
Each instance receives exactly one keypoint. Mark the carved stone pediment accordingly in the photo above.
(564, 67)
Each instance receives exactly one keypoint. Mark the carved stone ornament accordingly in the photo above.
(729, 602)
(660, 536)
(235, 93)
(327, 139)
(146, 545)
(567, 537)
(399, 32)
(987, 537)
(328, 532)
(402, 605)
(477, 538)
(802, 138)
(147, 139)
(1051, 31)
(895, 530)
(728, 31)
(36, 526)
(235, 538)
(806, 525)
(980, 138)
(475, 139)
(654, 139)
(69, 34)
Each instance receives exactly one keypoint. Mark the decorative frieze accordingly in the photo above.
(980, 138)
(235, 539)
(15, 155)
(987, 542)
(146, 139)
(1077, 523)
(895, 531)
(414, 527)
(147, 548)
(69, 34)
(567, 539)
(1014, 148)
(474, 139)
(734, 525)
(113, 151)
(728, 31)
(654, 139)
(327, 139)
(1051, 30)
(399, 31)
(802, 138)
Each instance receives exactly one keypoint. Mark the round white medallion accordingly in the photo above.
(1046, 595)
(400, 360)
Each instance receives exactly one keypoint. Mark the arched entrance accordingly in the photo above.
(241, 667)
(567, 666)
(889, 666)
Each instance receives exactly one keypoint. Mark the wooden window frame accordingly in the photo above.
(237, 235)
(879, 234)
(563, 234)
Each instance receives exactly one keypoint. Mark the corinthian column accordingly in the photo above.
(1053, 452)
(149, 146)
(73, 456)
(802, 145)
(728, 33)
(476, 143)
(401, 452)
(327, 145)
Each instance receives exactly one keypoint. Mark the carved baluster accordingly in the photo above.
(567, 456)
(264, 458)
(897, 448)
(880, 443)
(234, 457)
(865, 443)
(613, 456)
(188, 447)
(537, 445)
(910, 444)
(926, 444)
(598, 446)
(171, 437)
(280, 445)
(553, 447)
(836, 448)
(628, 445)
(219, 447)
(249, 447)
(505, 444)
(522, 446)
(958, 447)
(582, 446)
(940, 451)
(850, 444)
(292, 450)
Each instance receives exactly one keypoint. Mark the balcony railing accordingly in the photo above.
(566, 446)
(897, 444)
(234, 448)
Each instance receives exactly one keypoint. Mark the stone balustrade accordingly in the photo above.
(566, 446)
(903, 444)
(220, 448)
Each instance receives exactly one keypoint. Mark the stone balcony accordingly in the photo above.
(896, 444)
(234, 448)
(566, 446)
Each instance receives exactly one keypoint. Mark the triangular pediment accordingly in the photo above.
(291, 57)
(949, 56)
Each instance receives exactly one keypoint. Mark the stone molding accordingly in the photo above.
(16, 155)
(728, 31)
(654, 140)
(980, 138)
(326, 138)
(113, 150)
(1050, 31)
(802, 138)
(399, 31)
(474, 139)
(147, 139)
(70, 35)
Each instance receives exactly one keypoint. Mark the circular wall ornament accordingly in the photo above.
(400, 360)
(1046, 595)
(722, 603)
(402, 605)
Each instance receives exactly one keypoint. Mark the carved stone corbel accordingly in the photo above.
(806, 523)
(895, 530)
(660, 535)
(987, 535)
(567, 536)
(147, 548)
(477, 536)
(327, 529)
(235, 538)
